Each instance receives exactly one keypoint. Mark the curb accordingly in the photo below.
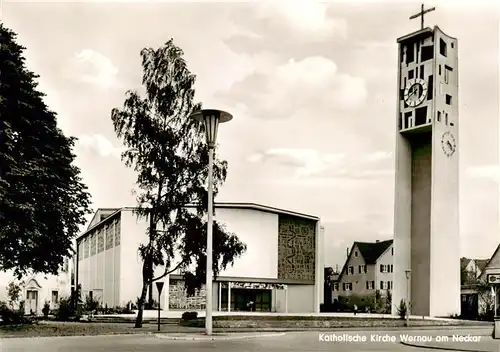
(14, 336)
(378, 328)
(186, 337)
(440, 348)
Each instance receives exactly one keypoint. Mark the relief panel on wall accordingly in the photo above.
(296, 248)
(178, 298)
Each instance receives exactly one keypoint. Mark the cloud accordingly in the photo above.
(302, 18)
(90, 66)
(291, 26)
(99, 144)
(327, 168)
(306, 161)
(294, 87)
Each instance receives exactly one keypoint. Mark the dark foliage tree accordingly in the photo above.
(168, 151)
(42, 199)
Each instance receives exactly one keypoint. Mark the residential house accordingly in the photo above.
(472, 269)
(476, 298)
(38, 289)
(368, 268)
(331, 282)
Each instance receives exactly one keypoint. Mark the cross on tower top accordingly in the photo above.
(421, 15)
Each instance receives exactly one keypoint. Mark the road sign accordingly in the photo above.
(159, 286)
(494, 278)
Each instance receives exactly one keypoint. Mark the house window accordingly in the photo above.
(392, 251)
(391, 268)
(362, 269)
(370, 285)
(382, 286)
(347, 286)
(389, 285)
(355, 253)
(55, 297)
(350, 270)
(335, 286)
(383, 268)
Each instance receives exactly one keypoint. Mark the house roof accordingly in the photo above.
(112, 212)
(371, 251)
(481, 263)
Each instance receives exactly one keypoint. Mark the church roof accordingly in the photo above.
(371, 251)
(106, 214)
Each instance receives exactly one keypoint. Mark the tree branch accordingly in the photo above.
(168, 272)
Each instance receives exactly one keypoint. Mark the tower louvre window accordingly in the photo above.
(426, 53)
(430, 90)
(442, 47)
(410, 54)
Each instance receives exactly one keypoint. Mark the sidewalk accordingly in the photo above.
(474, 344)
(217, 336)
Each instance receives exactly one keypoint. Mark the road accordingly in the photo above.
(300, 341)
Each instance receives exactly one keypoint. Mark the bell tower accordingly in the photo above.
(426, 218)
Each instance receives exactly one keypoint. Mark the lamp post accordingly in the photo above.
(408, 276)
(211, 118)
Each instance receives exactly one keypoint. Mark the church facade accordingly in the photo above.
(281, 270)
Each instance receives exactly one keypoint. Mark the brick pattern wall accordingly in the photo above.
(178, 298)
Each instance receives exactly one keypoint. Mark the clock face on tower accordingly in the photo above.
(415, 92)
(448, 143)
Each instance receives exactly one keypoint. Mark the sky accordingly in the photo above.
(312, 87)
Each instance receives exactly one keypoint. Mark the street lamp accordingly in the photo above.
(211, 118)
(408, 276)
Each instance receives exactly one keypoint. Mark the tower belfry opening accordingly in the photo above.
(426, 238)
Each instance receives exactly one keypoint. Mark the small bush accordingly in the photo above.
(402, 309)
(12, 317)
(46, 310)
(91, 304)
(66, 310)
(123, 310)
(189, 316)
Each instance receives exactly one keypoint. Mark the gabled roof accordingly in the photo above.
(371, 251)
(464, 262)
(481, 263)
(488, 262)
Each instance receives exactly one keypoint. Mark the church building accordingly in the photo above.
(281, 270)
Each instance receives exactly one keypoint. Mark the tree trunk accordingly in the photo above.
(150, 295)
(142, 299)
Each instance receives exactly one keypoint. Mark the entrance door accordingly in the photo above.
(31, 301)
(470, 306)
